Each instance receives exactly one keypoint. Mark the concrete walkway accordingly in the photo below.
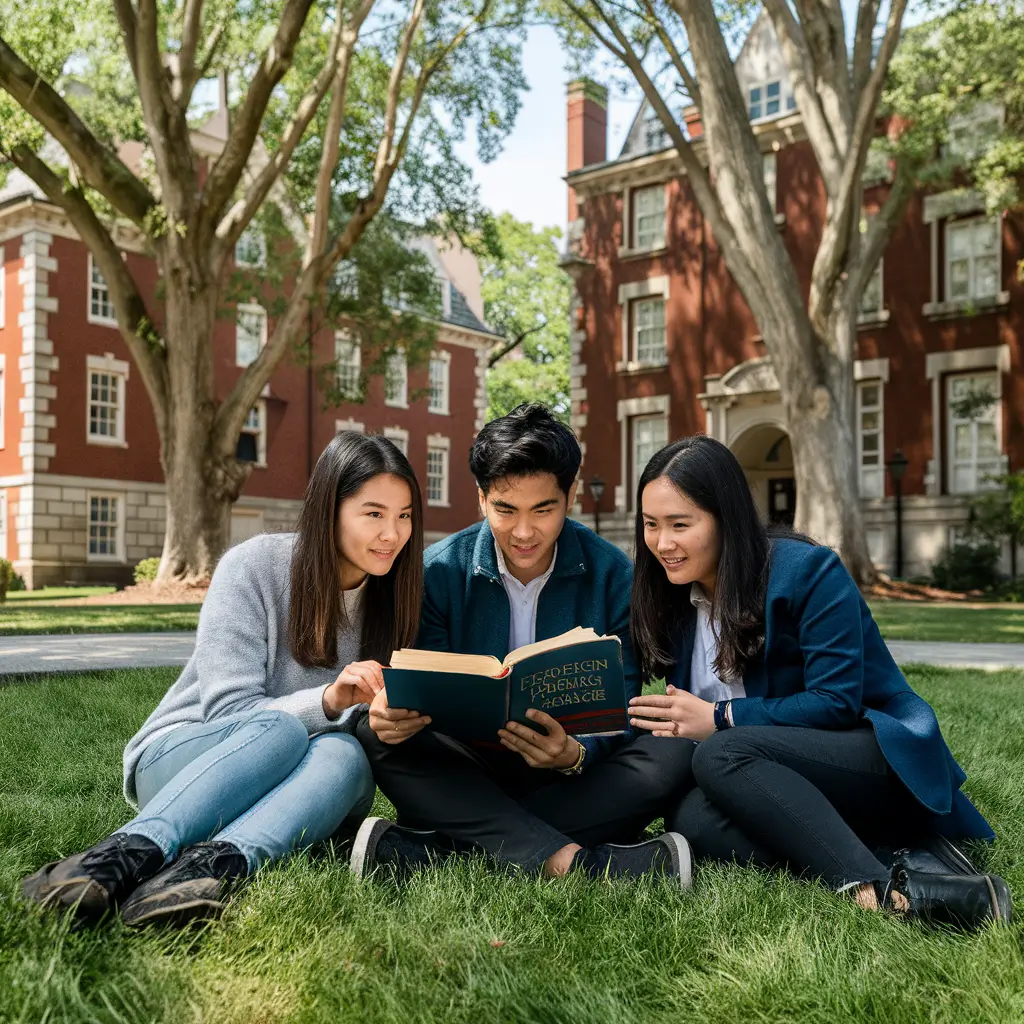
(26, 655)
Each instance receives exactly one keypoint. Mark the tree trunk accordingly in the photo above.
(201, 483)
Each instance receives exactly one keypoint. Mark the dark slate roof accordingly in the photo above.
(462, 316)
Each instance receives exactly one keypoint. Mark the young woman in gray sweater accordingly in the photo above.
(250, 754)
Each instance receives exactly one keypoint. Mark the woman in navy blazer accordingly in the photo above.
(810, 747)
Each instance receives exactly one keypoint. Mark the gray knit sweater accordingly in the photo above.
(242, 659)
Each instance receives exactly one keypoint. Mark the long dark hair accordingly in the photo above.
(391, 605)
(711, 477)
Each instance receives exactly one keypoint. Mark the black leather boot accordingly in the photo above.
(965, 901)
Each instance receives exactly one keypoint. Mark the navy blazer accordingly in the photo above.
(825, 666)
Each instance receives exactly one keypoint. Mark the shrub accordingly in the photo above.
(967, 565)
(17, 583)
(6, 576)
(146, 570)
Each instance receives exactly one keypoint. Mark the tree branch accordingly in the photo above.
(867, 15)
(126, 19)
(227, 171)
(882, 227)
(216, 37)
(515, 343)
(134, 322)
(100, 168)
(191, 26)
(677, 61)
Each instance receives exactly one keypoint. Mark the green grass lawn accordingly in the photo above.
(125, 618)
(906, 620)
(19, 597)
(462, 946)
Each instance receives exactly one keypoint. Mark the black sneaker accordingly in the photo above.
(965, 901)
(90, 883)
(195, 887)
(382, 843)
(667, 854)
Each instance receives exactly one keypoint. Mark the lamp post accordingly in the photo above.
(897, 466)
(596, 489)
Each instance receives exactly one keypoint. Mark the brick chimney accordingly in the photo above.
(587, 121)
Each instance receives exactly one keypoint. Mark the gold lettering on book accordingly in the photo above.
(577, 682)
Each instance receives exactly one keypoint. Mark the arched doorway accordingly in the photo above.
(766, 456)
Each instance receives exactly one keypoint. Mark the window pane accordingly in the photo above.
(962, 446)
(869, 442)
(869, 395)
(248, 448)
(869, 421)
(987, 446)
(986, 282)
(959, 279)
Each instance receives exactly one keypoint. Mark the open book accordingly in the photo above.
(575, 678)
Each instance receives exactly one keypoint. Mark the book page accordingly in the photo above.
(579, 635)
(442, 661)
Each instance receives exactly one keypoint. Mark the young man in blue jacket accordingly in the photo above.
(540, 800)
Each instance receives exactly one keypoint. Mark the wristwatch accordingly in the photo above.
(577, 768)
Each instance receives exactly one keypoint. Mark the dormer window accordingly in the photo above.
(765, 100)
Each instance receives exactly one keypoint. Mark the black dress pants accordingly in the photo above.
(813, 800)
(494, 801)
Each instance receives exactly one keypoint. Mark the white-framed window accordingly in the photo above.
(252, 441)
(649, 331)
(396, 381)
(101, 309)
(770, 175)
(399, 438)
(870, 439)
(974, 415)
(650, 435)
(348, 354)
(970, 134)
(973, 256)
(250, 333)
(251, 248)
(649, 217)
(438, 453)
(106, 528)
(105, 404)
(764, 99)
(3, 524)
(440, 382)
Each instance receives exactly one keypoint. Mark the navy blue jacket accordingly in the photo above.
(466, 608)
(826, 666)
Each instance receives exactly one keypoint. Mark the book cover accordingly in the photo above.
(580, 684)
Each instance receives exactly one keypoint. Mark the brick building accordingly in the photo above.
(664, 344)
(81, 489)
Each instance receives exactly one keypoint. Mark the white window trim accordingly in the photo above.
(349, 424)
(997, 419)
(120, 369)
(635, 362)
(880, 384)
(119, 556)
(400, 437)
(762, 84)
(255, 309)
(936, 366)
(649, 288)
(625, 410)
(356, 362)
(444, 357)
(630, 246)
(436, 442)
(3, 523)
(102, 321)
(261, 435)
(403, 401)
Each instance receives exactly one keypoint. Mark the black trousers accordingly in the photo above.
(494, 801)
(813, 800)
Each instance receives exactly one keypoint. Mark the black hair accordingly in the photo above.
(711, 477)
(526, 441)
(391, 615)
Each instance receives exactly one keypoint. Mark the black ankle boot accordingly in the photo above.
(195, 886)
(90, 883)
(965, 901)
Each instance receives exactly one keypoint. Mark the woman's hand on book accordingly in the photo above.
(357, 683)
(674, 713)
(553, 749)
(394, 725)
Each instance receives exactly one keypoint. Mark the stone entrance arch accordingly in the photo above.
(766, 456)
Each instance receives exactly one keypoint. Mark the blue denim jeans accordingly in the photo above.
(255, 779)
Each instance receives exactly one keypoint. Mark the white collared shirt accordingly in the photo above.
(522, 598)
(704, 680)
